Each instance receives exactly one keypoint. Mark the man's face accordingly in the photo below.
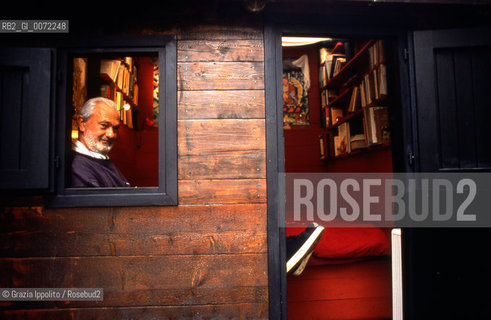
(99, 132)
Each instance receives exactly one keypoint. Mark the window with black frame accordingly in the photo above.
(118, 146)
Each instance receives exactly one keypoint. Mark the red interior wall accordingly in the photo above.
(145, 87)
(123, 153)
(135, 152)
(147, 163)
(361, 290)
(302, 153)
(374, 161)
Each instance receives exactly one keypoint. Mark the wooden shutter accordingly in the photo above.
(443, 267)
(25, 82)
(453, 82)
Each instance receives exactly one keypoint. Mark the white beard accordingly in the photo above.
(94, 144)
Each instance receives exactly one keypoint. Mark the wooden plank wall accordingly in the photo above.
(206, 257)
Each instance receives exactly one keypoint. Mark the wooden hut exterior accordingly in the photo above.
(217, 252)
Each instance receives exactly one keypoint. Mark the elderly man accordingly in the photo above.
(98, 124)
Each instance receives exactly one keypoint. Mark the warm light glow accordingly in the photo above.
(74, 134)
(301, 41)
(126, 107)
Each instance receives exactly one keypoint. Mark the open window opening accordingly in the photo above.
(132, 83)
(339, 95)
(137, 77)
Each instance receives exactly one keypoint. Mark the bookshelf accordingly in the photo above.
(354, 102)
(119, 82)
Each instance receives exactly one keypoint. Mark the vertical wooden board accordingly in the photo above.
(25, 91)
(220, 75)
(220, 50)
(222, 191)
(481, 81)
(232, 104)
(447, 110)
(212, 136)
(12, 81)
(466, 126)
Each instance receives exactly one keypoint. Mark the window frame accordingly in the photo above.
(165, 194)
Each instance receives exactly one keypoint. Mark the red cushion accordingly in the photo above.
(346, 243)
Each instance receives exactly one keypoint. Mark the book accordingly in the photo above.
(348, 50)
(376, 53)
(338, 65)
(110, 68)
(380, 51)
(336, 115)
(363, 98)
(368, 90)
(120, 77)
(118, 99)
(129, 62)
(377, 125)
(344, 138)
(322, 146)
(323, 53)
(327, 95)
(326, 117)
(323, 98)
(353, 104)
(331, 62)
(107, 91)
(322, 75)
(135, 93)
(383, 79)
(358, 142)
(337, 151)
(375, 84)
(129, 118)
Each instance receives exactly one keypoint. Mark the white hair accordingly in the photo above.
(88, 108)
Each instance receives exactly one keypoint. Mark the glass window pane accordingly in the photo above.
(131, 81)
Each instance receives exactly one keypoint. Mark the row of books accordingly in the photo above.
(372, 88)
(333, 64)
(376, 53)
(332, 60)
(122, 72)
(375, 131)
(327, 95)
